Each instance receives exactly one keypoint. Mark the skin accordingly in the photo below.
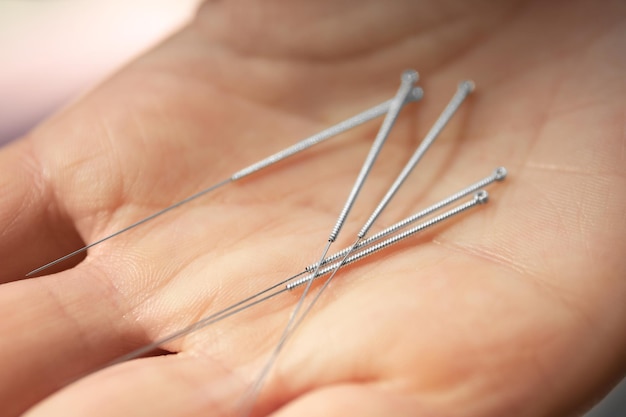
(514, 309)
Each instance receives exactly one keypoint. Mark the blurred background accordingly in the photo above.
(52, 50)
(55, 49)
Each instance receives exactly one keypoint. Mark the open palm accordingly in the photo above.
(516, 309)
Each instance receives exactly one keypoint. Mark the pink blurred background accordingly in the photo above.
(52, 50)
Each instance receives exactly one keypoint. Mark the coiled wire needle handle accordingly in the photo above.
(463, 90)
(498, 174)
(481, 197)
(359, 119)
(407, 82)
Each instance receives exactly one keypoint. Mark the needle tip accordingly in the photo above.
(35, 271)
(49, 264)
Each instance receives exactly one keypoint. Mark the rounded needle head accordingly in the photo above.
(481, 197)
(416, 94)
(500, 173)
(467, 85)
(410, 76)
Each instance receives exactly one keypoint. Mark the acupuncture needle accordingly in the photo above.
(481, 197)
(208, 320)
(250, 301)
(357, 120)
(407, 80)
(498, 174)
(406, 93)
(463, 90)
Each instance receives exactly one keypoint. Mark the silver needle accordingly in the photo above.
(408, 79)
(480, 197)
(206, 321)
(464, 89)
(239, 306)
(498, 174)
(367, 115)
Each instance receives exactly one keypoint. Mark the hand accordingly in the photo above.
(517, 309)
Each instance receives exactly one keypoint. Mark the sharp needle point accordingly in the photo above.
(132, 226)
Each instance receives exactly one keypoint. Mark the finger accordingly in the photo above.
(354, 400)
(32, 227)
(54, 330)
(171, 386)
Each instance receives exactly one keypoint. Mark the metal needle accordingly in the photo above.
(480, 197)
(498, 174)
(408, 79)
(367, 115)
(206, 321)
(464, 89)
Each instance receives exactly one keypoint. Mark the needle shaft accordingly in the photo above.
(332, 131)
(480, 198)
(499, 174)
(213, 318)
(406, 86)
(408, 79)
(464, 89)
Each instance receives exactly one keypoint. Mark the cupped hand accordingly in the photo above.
(515, 309)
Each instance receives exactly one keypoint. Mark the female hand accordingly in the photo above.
(517, 309)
